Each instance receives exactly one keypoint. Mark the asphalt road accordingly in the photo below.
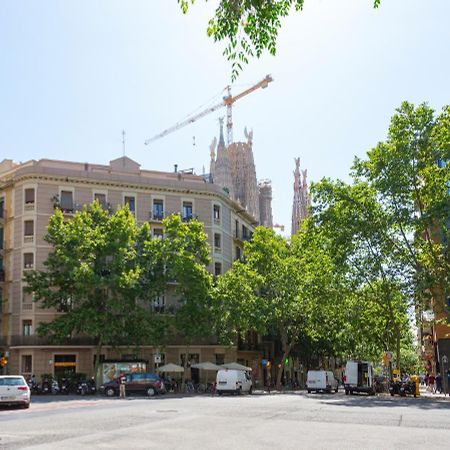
(284, 421)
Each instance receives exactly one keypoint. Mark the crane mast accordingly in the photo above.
(227, 101)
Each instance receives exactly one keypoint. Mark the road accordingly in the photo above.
(287, 421)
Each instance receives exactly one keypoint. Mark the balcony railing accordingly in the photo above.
(17, 340)
(157, 215)
(28, 239)
(28, 206)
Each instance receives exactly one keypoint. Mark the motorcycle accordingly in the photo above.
(408, 388)
(64, 386)
(86, 387)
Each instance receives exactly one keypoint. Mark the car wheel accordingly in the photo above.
(110, 392)
(26, 405)
(220, 393)
(150, 392)
(309, 391)
(346, 392)
(336, 390)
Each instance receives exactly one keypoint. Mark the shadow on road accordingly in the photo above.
(387, 401)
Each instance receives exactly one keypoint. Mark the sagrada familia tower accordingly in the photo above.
(302, 200)
(233, 168)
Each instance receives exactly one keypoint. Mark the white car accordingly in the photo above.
(233, 382)
(321, 380)
(14, 390)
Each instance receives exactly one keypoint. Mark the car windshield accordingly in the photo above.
(11, 382)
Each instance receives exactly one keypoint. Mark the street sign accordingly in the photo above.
(264, 362)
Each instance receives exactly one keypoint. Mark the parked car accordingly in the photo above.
(359, 377)
(14, 390)
(233, 382)
(321, 380)
(137, 383)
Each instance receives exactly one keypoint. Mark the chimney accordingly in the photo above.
(175, 168)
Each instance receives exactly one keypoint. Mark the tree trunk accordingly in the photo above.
(286, 350)
(98, 353)
(183, 376)
(397, 331)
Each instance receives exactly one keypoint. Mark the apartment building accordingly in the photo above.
(29, 194)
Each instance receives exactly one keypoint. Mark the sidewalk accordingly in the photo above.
(427, 394)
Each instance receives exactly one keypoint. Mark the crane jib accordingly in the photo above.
(227, 101)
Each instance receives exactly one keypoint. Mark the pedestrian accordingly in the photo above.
(438, 381)
(431, 379)
(122, 380)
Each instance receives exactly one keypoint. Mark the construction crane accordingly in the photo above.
(227, 101)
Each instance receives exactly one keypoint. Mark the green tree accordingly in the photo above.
(186, 256)
(278, 290)
(249, 27)
(410, 174)
(92, 277)
(369, 251)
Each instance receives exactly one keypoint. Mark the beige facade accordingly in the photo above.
(29, 193)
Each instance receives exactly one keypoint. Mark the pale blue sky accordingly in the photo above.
(73, 74)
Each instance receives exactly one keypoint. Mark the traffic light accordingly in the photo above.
(286, 361)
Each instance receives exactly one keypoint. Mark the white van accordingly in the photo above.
(321, 380)
(359, 377)
(233, 381)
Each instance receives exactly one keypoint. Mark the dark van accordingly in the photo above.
(136, 383)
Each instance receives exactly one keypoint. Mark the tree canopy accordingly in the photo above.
(249, 27)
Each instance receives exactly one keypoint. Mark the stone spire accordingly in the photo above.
(302, 200)
(222, 171)
(265, 203)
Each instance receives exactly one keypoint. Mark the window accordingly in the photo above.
(29, 196)
(187, 211)
(158, 233)
(217, 269)
(216, 213)
(217, 242)
(1, 237)
(27, 365)
(131, 202)
(66, 202)
(237, 229)
(27, 327)
(27, 297)
(238, 253)
(159, 303)
(245, 233)
(28, 260)
(158, 209)
(101, 198)
(2, 208)
(28, 228)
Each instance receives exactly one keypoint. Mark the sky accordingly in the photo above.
(74, 74)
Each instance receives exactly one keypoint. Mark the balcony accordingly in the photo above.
(28, 207)
(156, 216)
(28, 239)
(187, 217)
(36, 340)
